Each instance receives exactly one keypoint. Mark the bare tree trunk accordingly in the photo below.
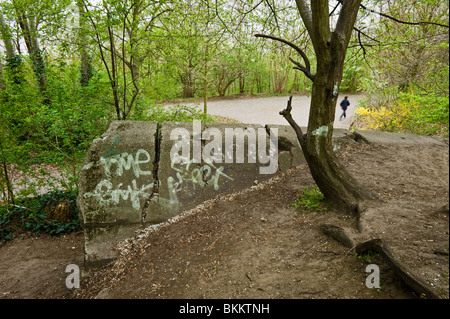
(13, 61)
(27, 23)
(330, 48)
(188, 84)
(6, 37)
(85, 68)
(241, 82)
(329, 174)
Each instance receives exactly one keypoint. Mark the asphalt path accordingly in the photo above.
(265, 110)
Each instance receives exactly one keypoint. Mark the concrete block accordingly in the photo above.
(100, 242)
(117, 175)
(290, 153)
(114, 184)
(377, 137)
(186, 184)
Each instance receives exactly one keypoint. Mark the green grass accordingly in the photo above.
(310, 199)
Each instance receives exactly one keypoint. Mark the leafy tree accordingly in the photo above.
(330, 43)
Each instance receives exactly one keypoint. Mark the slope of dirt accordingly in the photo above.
(254, 245)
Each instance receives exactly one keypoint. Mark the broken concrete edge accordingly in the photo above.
(379, 137)
(130, 145)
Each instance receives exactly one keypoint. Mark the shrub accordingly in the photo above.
(409, 113)
(161, 113)
(34, 215)
(310, 199)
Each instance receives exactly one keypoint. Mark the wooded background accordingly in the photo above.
(68, 68)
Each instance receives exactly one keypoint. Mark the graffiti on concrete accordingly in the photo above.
(208, 174)
(114, 165)
(125, 161)
(215, 150)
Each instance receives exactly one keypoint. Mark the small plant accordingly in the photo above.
(367, 258)
(310, 199)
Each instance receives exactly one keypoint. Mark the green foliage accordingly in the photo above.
(310, 199)
(165, 50)
(30, 214)
(6, 219)
(408, 113)
(177, 113)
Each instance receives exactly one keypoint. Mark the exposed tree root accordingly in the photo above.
(415, 283)
(377, 245)
(443, 210)
(339, 234)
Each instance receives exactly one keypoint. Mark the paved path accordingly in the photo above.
(266, 110)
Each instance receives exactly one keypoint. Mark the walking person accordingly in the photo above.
(344, 105)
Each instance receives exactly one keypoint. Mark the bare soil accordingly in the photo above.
(253, 244)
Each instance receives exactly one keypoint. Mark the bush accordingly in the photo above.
(34, 215)
(160, 113)
(409, 113)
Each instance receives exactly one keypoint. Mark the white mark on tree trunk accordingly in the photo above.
(335, 90)
(321, 131)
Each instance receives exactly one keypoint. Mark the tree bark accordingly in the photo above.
(85, 68)
(6, 37)
(13, 61)
(329, 174)
(27, 23)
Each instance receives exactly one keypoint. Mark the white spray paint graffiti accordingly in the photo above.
(116, 165)
(321, 131)
(126, 161)
(106, 194)
(207, 174)
(187, 174)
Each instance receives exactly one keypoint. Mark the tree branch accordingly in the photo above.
(400, 21)
(347, 17)
(286, 113)
(360, 44)
(305, 69)
(364, 34)
(305, 13)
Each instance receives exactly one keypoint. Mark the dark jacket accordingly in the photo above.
(344, 104)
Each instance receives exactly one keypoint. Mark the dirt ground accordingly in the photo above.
(252, 244)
